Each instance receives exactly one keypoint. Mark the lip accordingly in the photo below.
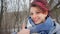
(35, 20)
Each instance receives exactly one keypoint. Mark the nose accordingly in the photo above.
(34, 16)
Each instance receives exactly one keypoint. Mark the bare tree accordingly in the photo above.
(1, 14)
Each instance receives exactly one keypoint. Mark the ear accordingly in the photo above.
(46, 13)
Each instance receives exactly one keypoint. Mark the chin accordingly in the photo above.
(38, 22)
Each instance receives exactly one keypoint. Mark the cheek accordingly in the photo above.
(42, 16)
(31, 16)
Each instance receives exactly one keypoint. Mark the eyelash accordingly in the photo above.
(36, 13)
(31, 14)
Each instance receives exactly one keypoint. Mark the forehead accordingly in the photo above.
(35, 9)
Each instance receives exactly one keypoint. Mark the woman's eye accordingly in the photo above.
(31, 13)
(38, 12)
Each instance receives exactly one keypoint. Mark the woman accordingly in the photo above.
(39, 20)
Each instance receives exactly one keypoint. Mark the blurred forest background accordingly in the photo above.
(15, 12)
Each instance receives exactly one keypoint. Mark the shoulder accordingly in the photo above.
(57, 26)
(56, 29)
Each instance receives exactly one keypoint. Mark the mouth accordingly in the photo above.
(36, 20)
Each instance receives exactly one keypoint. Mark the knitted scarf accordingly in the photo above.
(42, 28)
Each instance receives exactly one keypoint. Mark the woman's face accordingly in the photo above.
(37, 15)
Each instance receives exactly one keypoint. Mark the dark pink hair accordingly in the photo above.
(42, 4)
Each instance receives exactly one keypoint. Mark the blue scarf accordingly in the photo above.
(43, 28)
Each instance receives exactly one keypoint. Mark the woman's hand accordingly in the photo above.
(24, 31)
